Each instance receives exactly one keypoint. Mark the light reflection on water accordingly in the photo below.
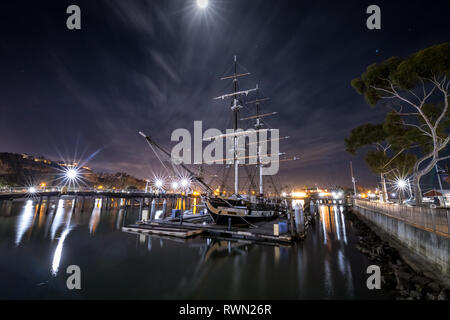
(121, 265)
(25, 221)
(58, 251)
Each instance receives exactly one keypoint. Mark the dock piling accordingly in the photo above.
(74, 205)
(164, 207)
(153, 210)
(39, 207)
(312, 208)
(299, 220)
(47, 205)
(291, 221)
(141, 204)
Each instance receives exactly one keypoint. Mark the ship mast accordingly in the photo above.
(235, 107)
(258, 126)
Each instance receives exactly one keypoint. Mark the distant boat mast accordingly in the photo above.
(353, 178)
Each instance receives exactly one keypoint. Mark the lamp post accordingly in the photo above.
(159, 184)
(185, 185)
(401, 184)
(175, 187)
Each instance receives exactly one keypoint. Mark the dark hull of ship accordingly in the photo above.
(223, 219)
(224, 212)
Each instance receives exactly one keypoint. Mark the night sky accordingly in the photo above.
(155, 66)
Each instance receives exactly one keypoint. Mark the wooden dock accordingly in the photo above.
(167, 231)
(264, 232)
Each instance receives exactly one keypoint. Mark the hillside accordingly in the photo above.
(18, 170)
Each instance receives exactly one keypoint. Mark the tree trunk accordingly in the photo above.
(418, 174)
(383, 185)
(417, 190)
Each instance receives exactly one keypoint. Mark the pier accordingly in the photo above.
(286, 229)
(156, 218)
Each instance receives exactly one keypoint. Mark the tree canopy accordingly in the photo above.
(379, 80)
(419, 120)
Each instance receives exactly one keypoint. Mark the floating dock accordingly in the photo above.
(263, 232)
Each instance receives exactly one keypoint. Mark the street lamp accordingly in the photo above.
(72, 174)
(401, 184)
(159, 184)
(185, 183)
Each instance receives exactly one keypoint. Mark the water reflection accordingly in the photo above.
(120, 218)
(95, 216)
(334, 235)
(58, 220)
(325, 265)
(25, 221)
(58, 251)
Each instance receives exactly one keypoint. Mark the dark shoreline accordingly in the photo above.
(397, 276)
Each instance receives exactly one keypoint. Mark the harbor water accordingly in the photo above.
(38, 247)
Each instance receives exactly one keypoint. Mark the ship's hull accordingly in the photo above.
(240, 212)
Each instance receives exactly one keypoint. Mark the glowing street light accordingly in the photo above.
(202, 4)
(72, 174)
(32, 190)
(185, 183)
(159, 184)
(401, 184)
(175, 185)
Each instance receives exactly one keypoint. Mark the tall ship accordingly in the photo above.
(239, 209)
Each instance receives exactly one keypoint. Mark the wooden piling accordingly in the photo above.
(292, 226)
(39, 206)
(47, 204)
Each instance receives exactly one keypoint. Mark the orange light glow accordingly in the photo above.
(298, 194)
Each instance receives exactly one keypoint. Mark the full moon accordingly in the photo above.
(202, 3)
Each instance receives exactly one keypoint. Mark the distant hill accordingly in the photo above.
(18, 170)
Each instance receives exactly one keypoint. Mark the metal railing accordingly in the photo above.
(434, 220)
